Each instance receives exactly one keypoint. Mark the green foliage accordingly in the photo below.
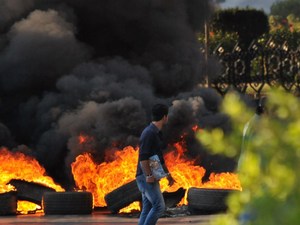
(282, 37)
(229, 26)
(270, 173)
(286, 7)
(285, 15)
(227, 40)
(278, 23)
(294, 22)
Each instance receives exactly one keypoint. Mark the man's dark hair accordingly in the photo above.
(159, 111)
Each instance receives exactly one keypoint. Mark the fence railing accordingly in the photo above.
(261, 65)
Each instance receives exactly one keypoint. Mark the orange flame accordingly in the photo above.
(6, 188)
(133, 206)
(100, 179)
(223, 181)
(24, 207)
(195, 128)
(183, 170)
(18, 166)
(82, 139)
(107, 176)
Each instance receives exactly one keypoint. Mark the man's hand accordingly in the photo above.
(171, 180)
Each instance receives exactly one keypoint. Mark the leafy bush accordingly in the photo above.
(227, 40)
(286, 7)
(282, 37)
(270, 173)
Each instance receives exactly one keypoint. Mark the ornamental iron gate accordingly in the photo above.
(251, 70)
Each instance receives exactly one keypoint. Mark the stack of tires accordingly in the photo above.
(52, 202)
(8, 203)
(65, 203)
(30, 191)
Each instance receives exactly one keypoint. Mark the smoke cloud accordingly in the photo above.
(41, 48)
(71, 68)
(12, 10)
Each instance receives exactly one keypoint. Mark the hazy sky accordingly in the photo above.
(259, 4)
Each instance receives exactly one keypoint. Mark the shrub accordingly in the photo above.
(270, 175)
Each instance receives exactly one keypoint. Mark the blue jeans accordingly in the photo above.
(153, 201)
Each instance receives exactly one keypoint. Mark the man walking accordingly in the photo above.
(151, 143)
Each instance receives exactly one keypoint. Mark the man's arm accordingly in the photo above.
(146, 144)
(147, 171)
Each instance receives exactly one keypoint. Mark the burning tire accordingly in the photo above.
(30, 191)
(8, 203)
(123, 196)
(202, 201)
(68, 203)
(173, 198)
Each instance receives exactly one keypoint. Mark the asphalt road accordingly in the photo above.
(99, 218)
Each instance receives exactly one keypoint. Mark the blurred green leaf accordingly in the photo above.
(269, 172)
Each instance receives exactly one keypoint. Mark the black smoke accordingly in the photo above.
(95, 68)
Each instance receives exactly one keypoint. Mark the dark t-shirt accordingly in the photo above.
(151, 143)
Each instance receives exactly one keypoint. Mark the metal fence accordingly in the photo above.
(258, 67)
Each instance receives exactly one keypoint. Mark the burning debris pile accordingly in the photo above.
(102, 179)
(15, 169)
(77, 82)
